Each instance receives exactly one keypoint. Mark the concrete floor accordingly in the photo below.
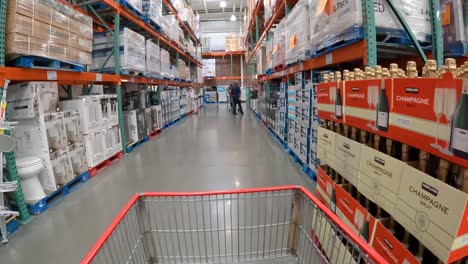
(209, 151)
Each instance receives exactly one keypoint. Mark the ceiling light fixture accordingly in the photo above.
(222, 4)
(233, 17)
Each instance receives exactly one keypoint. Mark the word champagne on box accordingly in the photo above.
(330, 101)
(434, 212)
(348, 158)
(367, 105)
(354, 214)
(432, 115)
(326, 147)
(390, 248)
(379, 178)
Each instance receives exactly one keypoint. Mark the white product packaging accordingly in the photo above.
(153, 10)
(131, 126)
(153, 59)
(132, 51)
(165, 63)
(62, 167)
(31, 99)
(268, 7)
(95, 153)
(209, 68)
(297, 33)
(78, 158)
(71, 121)
(90, 110)
(279, 44)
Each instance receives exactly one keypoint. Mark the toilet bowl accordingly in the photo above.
(28, 171)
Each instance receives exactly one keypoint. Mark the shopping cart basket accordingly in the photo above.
(268, 225)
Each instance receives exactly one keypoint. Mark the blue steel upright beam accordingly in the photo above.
(436, 26)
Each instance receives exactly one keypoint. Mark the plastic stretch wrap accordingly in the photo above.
(132, 51)
(297, 33)
(165, 64)
(137, 4)
(48, 29)
(209, 68)
(153, 10)
(278, 44)
(335, 22)
(268, 7)
(174, 72)
(183, 70)
(173, 28)
(261, 60)
(453, 22)
(199, 75)
(153, 58)
(269, 54)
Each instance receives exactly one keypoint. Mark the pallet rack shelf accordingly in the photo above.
(222, 53)
(184, 26)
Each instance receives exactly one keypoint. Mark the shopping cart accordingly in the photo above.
(268, 225)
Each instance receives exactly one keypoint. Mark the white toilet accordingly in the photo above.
(28, 171)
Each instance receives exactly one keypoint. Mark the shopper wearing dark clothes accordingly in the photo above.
(236, 93)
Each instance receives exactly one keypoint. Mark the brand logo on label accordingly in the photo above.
(388, 244)
(412, 90)
(322, 90)
(346, 146)
(325, 135)
(379, 161)
(429, 189)
(346, 201)
(355, 89)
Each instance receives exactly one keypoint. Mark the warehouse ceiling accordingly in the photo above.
(214, 19)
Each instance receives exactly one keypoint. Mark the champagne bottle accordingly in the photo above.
(382, 109)
(411, 69)
(430, 69)
(338, 103)
(459, 129)
(364, 231)
(333, 201)
(393, 70)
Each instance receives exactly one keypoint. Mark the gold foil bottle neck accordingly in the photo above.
(345, 75)
(393, 70)
(378, 72)
(411, 69)
(385, 73)
(338, 76)
(351, 76)
(431, 69)
(331, 77)
(325, 77)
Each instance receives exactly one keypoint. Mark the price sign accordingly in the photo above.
(51, 75)
(329, 58)
(98, 77)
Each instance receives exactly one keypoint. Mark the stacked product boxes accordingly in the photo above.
(152, 9)
(132, 51)
(54, 137)
(48, 29)
(153, 59)
(315, 123)
(165, 64)
(299, 106)
(296, 33)
(282, 112)
(99, 125)
(209, 68)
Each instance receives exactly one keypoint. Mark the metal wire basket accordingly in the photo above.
(268, 225)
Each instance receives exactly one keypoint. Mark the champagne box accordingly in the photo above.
(379, 178)
(390, 248)
(326, 147)
(367, 104)
(330, 101)
(348, 158)
(434, 212)
(432, 115)
(325, 186)
(354, 214)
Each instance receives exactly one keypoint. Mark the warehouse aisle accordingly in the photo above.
(209, 151)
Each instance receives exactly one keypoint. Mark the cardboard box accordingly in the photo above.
(348, 159)
(325, 186)
(379, 178)
(330, 101)
(354, 214)
(361, 105)
(390, 248)
(326, 147)
(434, 212)
(421, 111)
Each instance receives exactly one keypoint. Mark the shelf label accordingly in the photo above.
(329, 58)
(132, 79)
(301, 66)
(98, 77)
(51, 75)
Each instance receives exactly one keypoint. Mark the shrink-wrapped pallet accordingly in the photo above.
(132, 51)
(337, 21)
(209, 68)
(278, 45)
(297, 33)
(48, 29)
(269, 54)
(153, 10)
(268, 8)
(165, 63)
(232, 43)
(261, 60)
(153, 59)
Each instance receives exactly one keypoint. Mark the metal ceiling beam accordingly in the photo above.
(206, 8)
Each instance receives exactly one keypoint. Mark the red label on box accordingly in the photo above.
(432, 114)
(390, 248)
(354, 214)
(367, 105)
(330, 101)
